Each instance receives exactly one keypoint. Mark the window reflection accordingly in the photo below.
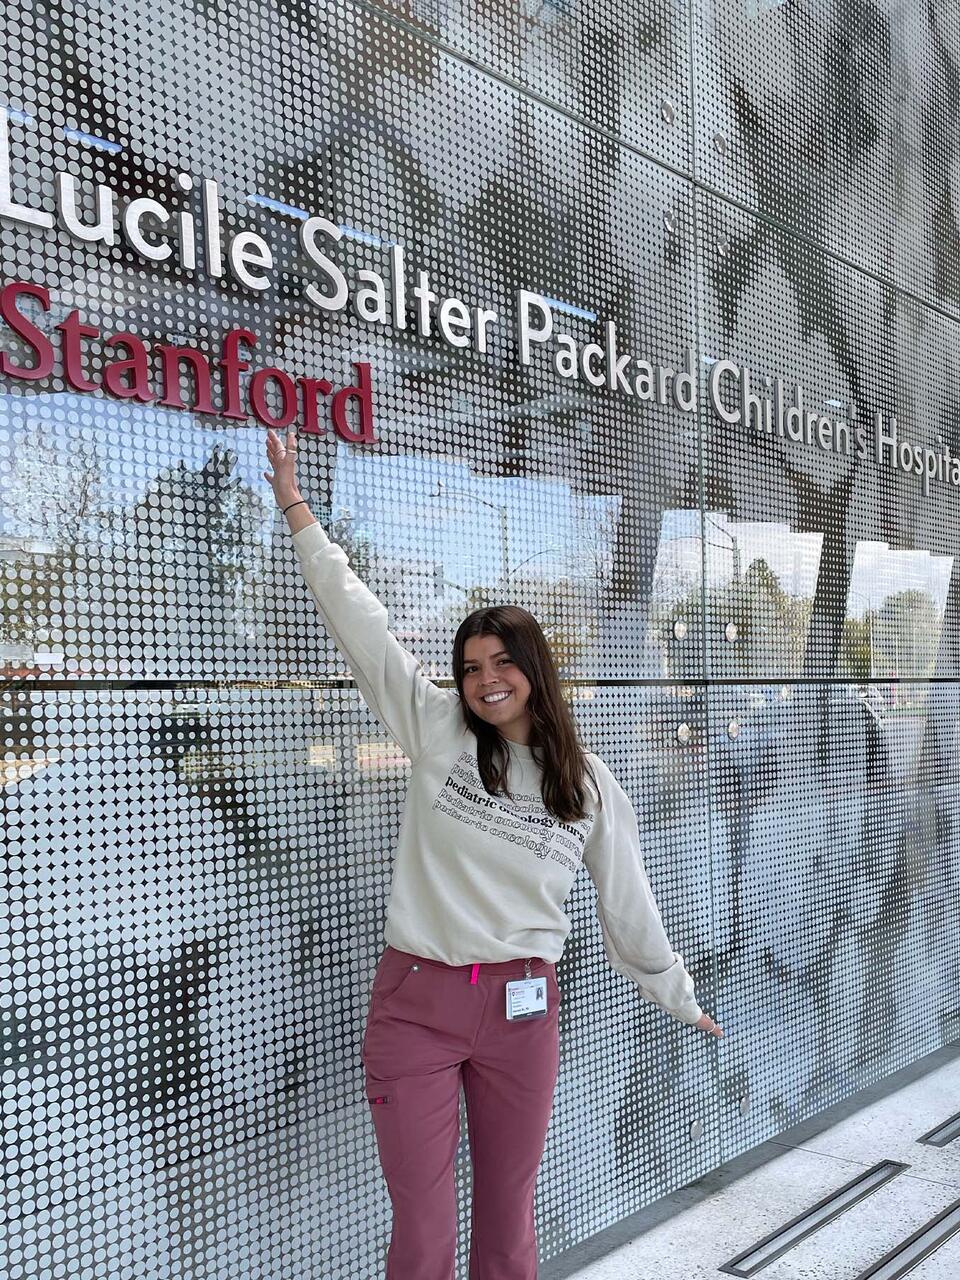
(894, 613)
(762, 576)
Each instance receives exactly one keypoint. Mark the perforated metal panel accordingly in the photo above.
(758, 636)
(626, 70)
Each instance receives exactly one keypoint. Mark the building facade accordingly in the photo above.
(642, 316)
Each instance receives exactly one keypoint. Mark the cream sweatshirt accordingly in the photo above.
(479, 877)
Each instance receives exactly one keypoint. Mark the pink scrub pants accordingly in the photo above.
(430, 1028)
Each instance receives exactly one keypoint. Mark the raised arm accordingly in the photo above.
(389, 677)
(633, 934)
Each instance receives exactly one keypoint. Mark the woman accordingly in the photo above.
(498, 817)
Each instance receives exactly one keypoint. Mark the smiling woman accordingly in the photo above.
(495, 687)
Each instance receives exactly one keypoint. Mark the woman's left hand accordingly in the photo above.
(707, 1024)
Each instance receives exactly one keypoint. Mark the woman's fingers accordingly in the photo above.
(273, 441)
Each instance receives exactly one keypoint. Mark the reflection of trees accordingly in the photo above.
(188, 549)
(356, 547)
(56, 499)
(898, 639)
(773, 625)
(856, 647)
(906, 633)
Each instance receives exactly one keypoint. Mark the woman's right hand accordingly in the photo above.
(706, 1023)
(283, 459)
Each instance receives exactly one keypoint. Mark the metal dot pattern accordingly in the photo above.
(758, 635)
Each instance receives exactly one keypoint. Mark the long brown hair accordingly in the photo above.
(554, 740)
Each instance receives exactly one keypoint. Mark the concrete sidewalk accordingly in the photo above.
(690, 1234)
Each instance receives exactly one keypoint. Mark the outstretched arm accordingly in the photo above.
(389, 677)
(633, 934)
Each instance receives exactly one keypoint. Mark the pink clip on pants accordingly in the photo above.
(429, 1029)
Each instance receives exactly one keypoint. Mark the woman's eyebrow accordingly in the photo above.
(499, 653)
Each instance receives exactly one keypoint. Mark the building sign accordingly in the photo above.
(128, 375)
(390, 292)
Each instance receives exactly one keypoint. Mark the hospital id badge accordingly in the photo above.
(527, 998)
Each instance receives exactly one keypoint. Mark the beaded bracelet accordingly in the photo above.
(292, 505)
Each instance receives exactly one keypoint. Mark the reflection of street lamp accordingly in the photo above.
(851, 592)
(735, 547)
(496, 506)
(551, 546)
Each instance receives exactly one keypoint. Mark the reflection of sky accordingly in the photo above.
(880, 571)
(678, 552)
(793, 557)
(551, 530)
(392, 500)
(388, 495)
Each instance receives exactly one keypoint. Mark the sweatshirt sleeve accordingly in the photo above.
(633, 933)
(389, 677)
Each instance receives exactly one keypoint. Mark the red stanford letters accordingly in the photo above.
(128, 375)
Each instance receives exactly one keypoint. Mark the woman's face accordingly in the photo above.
(488, 669)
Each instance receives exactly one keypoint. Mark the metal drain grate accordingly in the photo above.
(943, 1133)
(904, 1257)
(805, 1224)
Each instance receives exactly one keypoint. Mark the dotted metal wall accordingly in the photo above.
(198, 810)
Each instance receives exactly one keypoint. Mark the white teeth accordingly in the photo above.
(496, 697)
